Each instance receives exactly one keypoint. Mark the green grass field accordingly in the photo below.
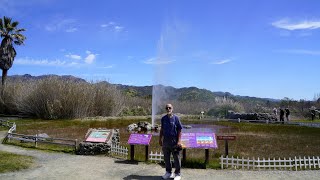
(252, 139)
(14, 162)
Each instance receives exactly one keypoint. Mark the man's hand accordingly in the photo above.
(160, 141)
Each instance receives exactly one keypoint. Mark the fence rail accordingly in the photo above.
(158, 157)
(295, 163)
(119, 151)
(37, 139)
(6, 123)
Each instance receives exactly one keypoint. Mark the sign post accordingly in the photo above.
(139, 139)
(226, 138)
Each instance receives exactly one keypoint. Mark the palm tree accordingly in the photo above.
(10, 34)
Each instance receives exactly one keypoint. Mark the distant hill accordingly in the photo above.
(180, 94)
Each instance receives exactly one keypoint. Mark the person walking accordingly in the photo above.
(170, 140)
(287, 113)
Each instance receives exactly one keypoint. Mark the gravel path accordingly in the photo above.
(65, 166)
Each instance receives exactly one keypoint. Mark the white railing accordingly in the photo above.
(158, 157)
(13, 128)
(119, 151)
(265, 164)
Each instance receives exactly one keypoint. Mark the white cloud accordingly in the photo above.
(112, 26)
(107, 67)
(300, 51)
(118, 28)
(108, 24)
(41, 62)
(158, 61)
(73, 29)
(73, 56)
(306, 24)
(90, 58)
(219, 62)
(60, 24)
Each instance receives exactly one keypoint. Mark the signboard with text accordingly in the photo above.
(141, 139)
(98, 136)
(199, 140)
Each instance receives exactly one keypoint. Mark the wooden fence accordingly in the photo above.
(305, 163)
(37, 139)
(6, 123)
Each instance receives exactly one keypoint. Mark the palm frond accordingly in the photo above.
(17, 42)
(1, 25)
(20, 30)
(14, 24)
(7, 22)
(18, 36)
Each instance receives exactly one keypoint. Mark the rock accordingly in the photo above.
(91, 148)
(132, 127)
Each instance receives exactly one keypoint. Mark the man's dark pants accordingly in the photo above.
(176, 157)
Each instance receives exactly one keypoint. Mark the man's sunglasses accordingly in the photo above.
(168, 107)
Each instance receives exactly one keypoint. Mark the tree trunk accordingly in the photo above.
(4, 77)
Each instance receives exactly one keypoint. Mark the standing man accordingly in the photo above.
(170, 140)
(282, 115)
(287, 114)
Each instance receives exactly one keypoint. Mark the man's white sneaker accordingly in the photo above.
(166, 175)
(178, 177)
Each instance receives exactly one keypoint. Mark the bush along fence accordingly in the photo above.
(296, 163)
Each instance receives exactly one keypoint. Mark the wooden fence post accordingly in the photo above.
(206, 156)
(35, 141)
(132, 152)
(75, 145)
(146, 155)
(184, 156)
(221, 161)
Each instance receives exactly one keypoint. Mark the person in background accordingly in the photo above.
(275, 112)
(282, 115)
(287, 113)
(313, 113)
(170, 140)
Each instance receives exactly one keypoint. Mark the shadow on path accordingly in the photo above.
(138, 177)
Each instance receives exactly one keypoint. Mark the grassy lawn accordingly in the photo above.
(252, 139)
(14, 162)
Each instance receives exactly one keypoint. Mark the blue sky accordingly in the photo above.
(246, 47)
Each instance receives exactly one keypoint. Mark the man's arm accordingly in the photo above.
(179, 138)
(160, 136)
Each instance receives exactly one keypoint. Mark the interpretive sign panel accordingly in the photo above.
(98, 136)
(141, 139)
(199, 140)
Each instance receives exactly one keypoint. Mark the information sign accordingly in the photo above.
(199, 140)
(141, 139)
(98, 136)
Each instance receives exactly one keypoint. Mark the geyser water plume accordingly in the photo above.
(166, 50)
